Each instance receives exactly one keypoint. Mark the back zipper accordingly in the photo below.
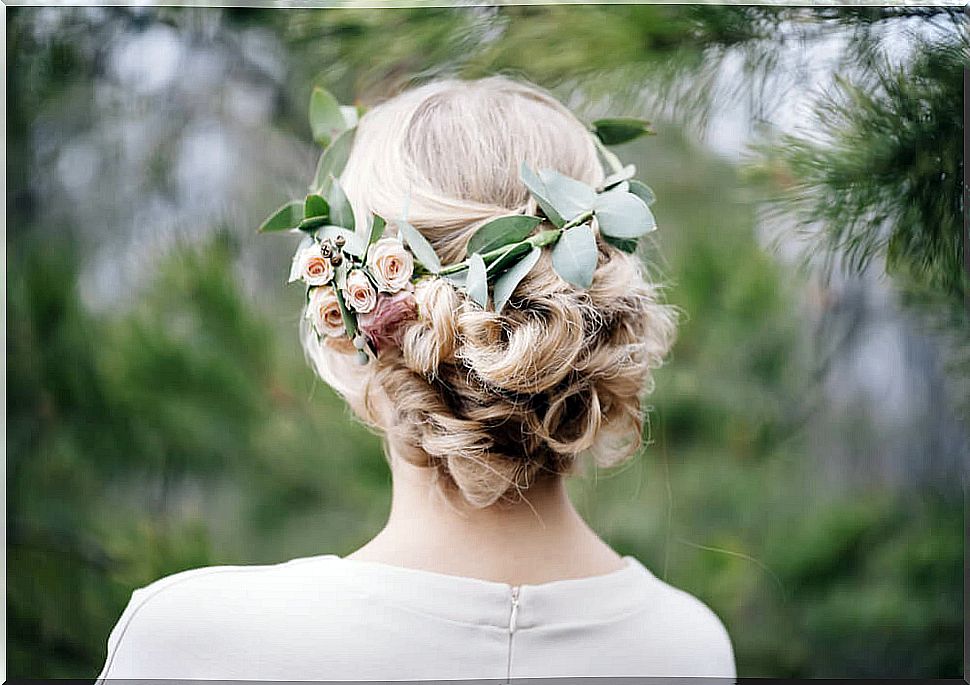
(513, 615)
(515, 609)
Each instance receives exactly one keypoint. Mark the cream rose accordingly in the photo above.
(390, 264)
(359, 294)
(324, 312)
(310, 265)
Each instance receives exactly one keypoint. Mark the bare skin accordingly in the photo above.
(536, 541)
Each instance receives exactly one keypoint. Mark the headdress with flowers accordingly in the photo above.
(360, 282)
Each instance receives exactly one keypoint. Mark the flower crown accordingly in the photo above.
(360, 282)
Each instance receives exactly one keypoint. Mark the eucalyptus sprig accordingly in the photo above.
(333, 126)
(501, 252)
(504, 250)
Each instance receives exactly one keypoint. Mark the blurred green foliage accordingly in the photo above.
(186, 429)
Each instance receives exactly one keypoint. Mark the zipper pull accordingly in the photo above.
(515, 609)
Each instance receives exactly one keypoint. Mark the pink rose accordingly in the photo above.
(310, 265)
(390, 264)
(359, 294)
(383, 324)
(324, 312)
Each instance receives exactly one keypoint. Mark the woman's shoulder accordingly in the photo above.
(219, 603)
(207, 584)
(670, 615)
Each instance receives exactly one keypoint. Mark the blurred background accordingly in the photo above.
(808, 444)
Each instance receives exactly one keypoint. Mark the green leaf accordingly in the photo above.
(332, 161)
(477, 283)
(354, 245)
(567, 197)
(326, 119)
(628, 245)
(643, 191)
(538, 191)
(313, 223)
(377, 227)
(574, 256)
(619, 130)
(623, 215)
(619, 177)
(507, 258)
(420, 247)
(315, 206)
(341, 213)
(502, 231)
(286, 217)
(506, 283)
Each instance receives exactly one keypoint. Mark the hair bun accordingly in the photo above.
(495, 401)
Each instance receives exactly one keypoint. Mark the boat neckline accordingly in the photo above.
(632, 567)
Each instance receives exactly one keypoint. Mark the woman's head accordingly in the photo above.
(493, 402)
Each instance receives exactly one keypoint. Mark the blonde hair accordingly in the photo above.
(493, 401)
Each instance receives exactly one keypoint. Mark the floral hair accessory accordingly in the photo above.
(360, 282)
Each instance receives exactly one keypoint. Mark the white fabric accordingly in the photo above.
(327, 618)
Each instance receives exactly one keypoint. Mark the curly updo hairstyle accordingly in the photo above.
(494, 402)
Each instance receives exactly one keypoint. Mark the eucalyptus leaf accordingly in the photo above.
(643, 191)
(569, 197)
(619, 177)
(341, 213)
(615, 131)
(377, 227)
(286, 217)
(628, 245)
(326, 119)
(506, 283)
(315, 206)
(477, 283)
(502, 231)
(332, 161)
(538, 191)
(507, 258)
(354, 245)
(574, 256)
(420, 247)
(623, 215)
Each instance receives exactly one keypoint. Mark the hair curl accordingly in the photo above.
(492, 401)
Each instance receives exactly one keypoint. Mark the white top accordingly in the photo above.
(327, 618)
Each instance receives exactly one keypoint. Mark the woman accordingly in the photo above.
(484, 569)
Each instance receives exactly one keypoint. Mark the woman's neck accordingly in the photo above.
(538, 539)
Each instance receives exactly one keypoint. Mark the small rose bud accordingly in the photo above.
(336, 260)
(326, 251)
(340, 241)
(361, 357)
(360, 342)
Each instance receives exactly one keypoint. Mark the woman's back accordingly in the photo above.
(327, 618)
